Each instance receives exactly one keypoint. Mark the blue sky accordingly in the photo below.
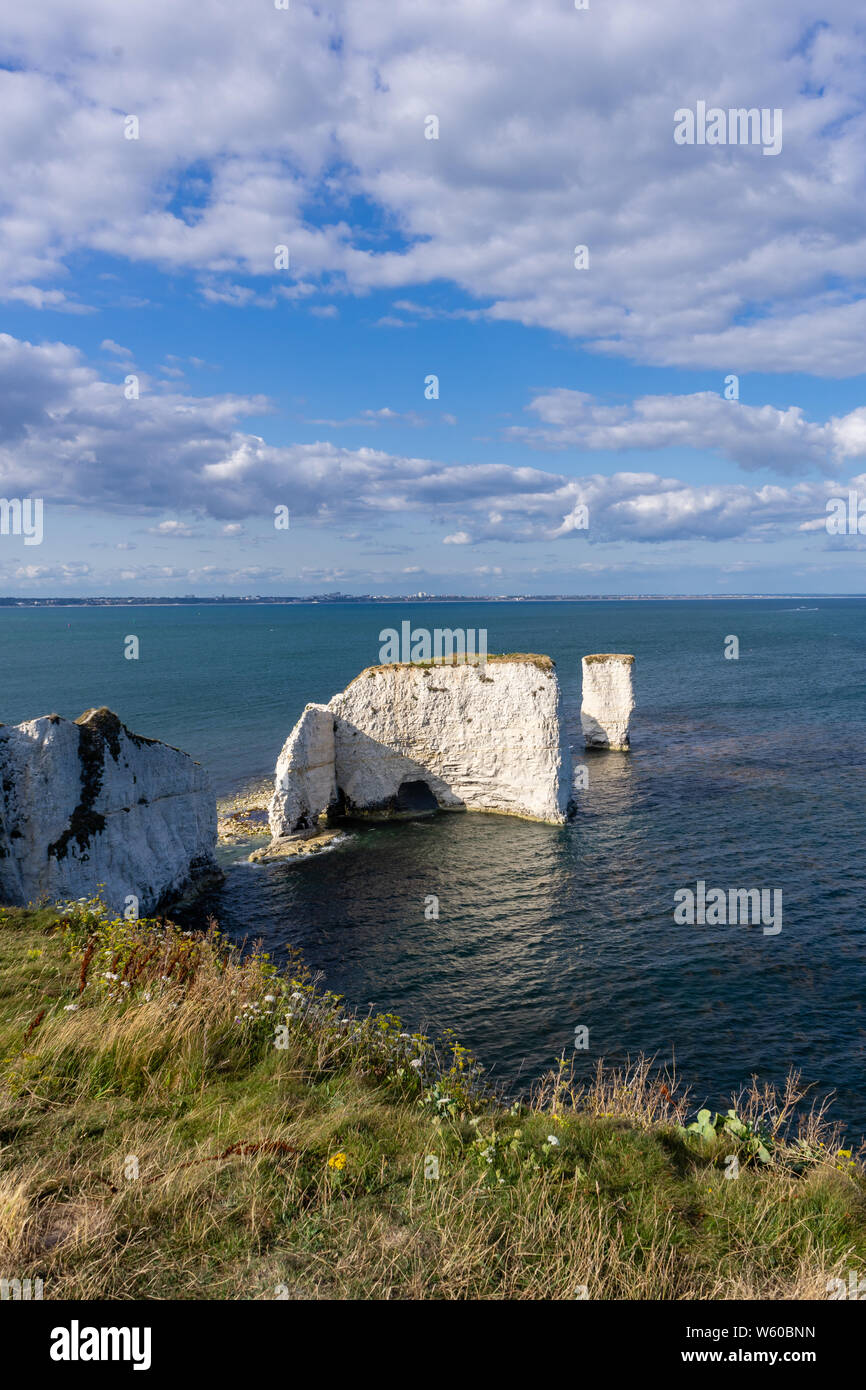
(559, 388)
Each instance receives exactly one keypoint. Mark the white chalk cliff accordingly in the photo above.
(607, 700)
(406, 738)
(87, 803)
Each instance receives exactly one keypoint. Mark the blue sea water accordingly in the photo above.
(746, 773)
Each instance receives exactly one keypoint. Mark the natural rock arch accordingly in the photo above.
(415, 798)
(478, 736)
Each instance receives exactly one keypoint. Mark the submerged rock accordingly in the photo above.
(404, 739)
(607, 700)
(86, 806)
(300, 846)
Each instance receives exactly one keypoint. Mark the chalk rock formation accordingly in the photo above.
(607, 700)
(408, 738)
(305, 784)
(88, 803)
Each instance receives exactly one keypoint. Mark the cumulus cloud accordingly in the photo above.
(109, 345)
(752, 436)
(556, 129)
(69, 573)
(171, 528)
(43, 577)
(74, 439)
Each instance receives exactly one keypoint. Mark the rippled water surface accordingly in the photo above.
(745, 773)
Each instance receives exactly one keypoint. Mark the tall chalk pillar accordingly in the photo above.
(607, 700)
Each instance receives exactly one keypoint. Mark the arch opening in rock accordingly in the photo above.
(416, 798)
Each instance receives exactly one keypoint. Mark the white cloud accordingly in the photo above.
(63, 573)
(171, 528)
(752, 436)
(73, 439)
(556, 129)
(109, 345)
(386, 416)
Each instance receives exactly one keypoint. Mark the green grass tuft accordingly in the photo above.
(157, 1142)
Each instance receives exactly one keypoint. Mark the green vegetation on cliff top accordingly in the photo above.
(179, 1120)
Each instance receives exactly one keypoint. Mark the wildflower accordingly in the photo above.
(416, 1063)
(337, 1161)
(552, 1139)
(71, 1008)
(108, 976)
(270, 998)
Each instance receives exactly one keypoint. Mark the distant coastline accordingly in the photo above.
(131, 601)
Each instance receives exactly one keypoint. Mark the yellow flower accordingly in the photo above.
(337, 1161)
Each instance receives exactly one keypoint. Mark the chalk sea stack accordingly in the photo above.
(607, 700)
(86, 806)
(412, 737)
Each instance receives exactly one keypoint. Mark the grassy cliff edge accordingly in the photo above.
(182, 1120)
